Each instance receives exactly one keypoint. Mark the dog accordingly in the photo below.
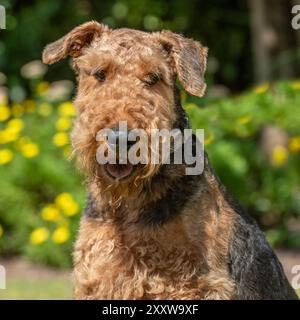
(152, 231)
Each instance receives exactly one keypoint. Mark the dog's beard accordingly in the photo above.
(115, 181)
(127, 189)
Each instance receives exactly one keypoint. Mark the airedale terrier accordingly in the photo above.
(151, 231)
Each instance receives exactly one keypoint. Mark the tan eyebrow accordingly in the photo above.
(149, 65)
(94, 61)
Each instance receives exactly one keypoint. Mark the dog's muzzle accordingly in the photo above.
(120, 144)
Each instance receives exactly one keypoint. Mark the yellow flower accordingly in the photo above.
(1, 231)
(70, 209)
(6, 156)
(50, 213)
(262, 88)
(62, 198)
(244, 119)
(39, 235)
(4, 112)
(8, 135)
(209, 140)
(42, 87)
(29, 105)
(22, 141)
(61, 235)
(242, 132)
(45, 109)
(295, 85)
(279, 156)
(67, 204)
(190, 106)
(12, 134)
(30, 150)
(294, 144)
(63, 124)
(15, 125)
(3, 138)
(60, 139)
(17, 110)
(67, 109)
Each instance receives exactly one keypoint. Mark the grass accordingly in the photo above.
(23, 289)
(40, 290)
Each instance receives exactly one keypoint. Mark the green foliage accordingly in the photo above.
(39, 176)
(32, 25)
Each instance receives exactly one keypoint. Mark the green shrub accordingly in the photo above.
(38, 187)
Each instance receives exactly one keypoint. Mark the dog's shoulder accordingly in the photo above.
(253, 265)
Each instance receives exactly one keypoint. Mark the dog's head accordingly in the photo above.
(126, 76)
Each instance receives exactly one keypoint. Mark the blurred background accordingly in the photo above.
(250, 113)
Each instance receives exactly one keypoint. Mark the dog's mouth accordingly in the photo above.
(118, 171)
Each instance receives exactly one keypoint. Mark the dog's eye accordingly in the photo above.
(100, 75)
(152, 79)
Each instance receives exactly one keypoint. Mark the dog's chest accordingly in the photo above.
(110, 265)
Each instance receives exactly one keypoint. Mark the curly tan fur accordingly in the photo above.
(118, 255)
(124, 260)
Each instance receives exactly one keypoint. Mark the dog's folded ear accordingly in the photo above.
(190, 61)
(73, 42)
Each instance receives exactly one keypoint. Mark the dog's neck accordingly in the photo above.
(182, 120)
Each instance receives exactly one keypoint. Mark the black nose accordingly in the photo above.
(119, 138)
